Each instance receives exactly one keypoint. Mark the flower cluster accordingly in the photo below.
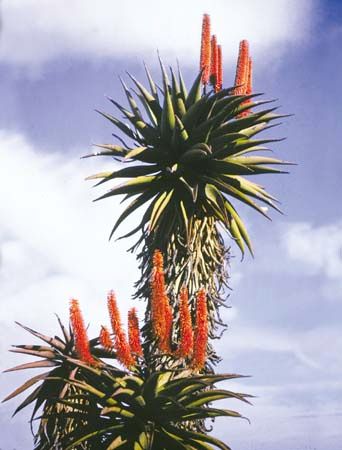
(192, 338)
(211, 64)
(192, 344)
(211, 57)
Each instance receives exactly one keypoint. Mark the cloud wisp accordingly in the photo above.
(35, 31)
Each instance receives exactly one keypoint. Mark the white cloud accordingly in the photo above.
(317, 252)
(319, 249)
(274, 340)
(54, 241)
(37, 31)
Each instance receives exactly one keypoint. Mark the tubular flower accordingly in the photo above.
(105, 339)
(241, 76)
(205, 49)
(186, 334)
(133, 333)
(161, 313)
(123, 352)
(219, 81)
(213, 62)
(201, 331)
(80, 333)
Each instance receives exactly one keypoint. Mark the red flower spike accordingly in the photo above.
(161, 313)
(123, 352)
(186, 334)
(241, 76)
(213, 62)
(105, 339)
(80, 333)
(201, 331)
(205, 49)
(134, 333)
(219, 81)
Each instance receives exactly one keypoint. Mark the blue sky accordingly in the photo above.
(58, 60)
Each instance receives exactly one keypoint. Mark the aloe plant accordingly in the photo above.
(188, 156)
(89, 404)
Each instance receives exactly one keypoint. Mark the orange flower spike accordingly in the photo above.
(165, 343)
(161, 312)
(241, 76)
(114, 313)
(80, 333)
(123, 351)
(186, 334)
(134, 333)
(213, 62)
(205, 49)
(201, 331)
(219, 81)
(105, 339)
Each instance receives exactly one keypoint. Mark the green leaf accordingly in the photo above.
(182, 85)
(33, 365)
(73, 443)
(26, 385)
(121, 125)
(177, 97)
(168, 120)
(152, 84)
(150, 99)
(159, 208)
(195, 91)
(194, 112)
(198, 436)
(240, 225)
(239, 124)
(127, 172)
(135, 186)
(110, 150)
(234, 192)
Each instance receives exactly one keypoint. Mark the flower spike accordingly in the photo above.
(133, 333)
(121, 346)
(201, 331)
(213, 62)
(205, 49)
(241, 76)
(186, 334)
(161, 313)
(80, 333)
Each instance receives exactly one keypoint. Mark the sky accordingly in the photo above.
(58, 61)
